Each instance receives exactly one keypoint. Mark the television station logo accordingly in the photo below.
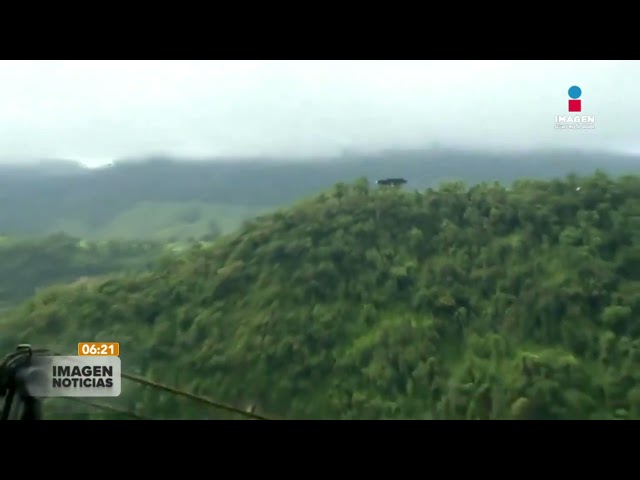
(94, 372)
(575, 120)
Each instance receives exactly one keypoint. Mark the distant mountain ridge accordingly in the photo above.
(41, 167)
(37, 198)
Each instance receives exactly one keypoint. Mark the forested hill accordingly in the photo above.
(462, 303)
(27, 264)
(115, 201)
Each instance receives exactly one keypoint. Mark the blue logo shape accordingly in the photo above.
(575, 92)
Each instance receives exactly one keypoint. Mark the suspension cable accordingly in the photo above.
(191, 396)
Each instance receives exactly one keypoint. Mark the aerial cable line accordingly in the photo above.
(191, 396)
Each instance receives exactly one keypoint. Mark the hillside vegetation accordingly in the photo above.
(480, 302)
(27, 264)
(166, 222)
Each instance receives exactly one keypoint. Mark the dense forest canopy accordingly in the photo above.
(457, 302)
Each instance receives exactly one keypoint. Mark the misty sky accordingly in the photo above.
(95, 111)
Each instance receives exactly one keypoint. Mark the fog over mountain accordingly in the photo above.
(98, 111)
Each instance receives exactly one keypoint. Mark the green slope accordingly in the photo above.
(166, 221)
(469, 303)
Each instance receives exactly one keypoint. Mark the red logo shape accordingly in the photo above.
(575, 105)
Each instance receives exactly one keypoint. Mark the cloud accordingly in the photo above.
(111, 109)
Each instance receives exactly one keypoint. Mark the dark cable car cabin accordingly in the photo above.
(393, 182)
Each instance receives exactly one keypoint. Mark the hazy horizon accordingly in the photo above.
(99, 111)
